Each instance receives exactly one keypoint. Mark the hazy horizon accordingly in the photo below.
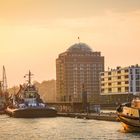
(34, 32)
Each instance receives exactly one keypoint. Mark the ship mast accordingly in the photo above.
(29, 77)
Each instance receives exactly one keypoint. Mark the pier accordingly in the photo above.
(97, 116)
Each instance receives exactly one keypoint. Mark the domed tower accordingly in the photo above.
(79, 47)
(78, 65)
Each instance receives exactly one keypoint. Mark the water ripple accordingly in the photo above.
(60, 128)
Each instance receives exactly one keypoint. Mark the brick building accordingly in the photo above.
(78, 66)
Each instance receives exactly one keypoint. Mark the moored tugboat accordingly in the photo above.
(28, 104)
(129, 115)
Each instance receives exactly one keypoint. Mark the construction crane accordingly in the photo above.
(3, 90)
(4, 80)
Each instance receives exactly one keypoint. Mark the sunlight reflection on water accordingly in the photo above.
(61, 128)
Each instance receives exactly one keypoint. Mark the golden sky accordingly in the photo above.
(34, 32)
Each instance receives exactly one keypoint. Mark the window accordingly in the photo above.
(137, 77)
(102, 79)
(109, 73)
(137, 83)
(102, 74)
(109, 78)
(119, 71)
(137, 71)
(119, 83)
(102, 84)
(110, 90)
(70, 98)
(119, 77)
(64, 97)
(109, 84)
(130, 71)
(102, 90)
(126, 89)
(131, 89)
(126, 82)
(137, 89)
(119, 89)
(126, 76)
(126, 70)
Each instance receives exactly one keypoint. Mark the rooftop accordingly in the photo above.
(79, 47)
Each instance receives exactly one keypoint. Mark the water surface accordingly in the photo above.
(61, 128)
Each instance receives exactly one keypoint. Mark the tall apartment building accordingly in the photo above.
(76, 67)
(120, 81)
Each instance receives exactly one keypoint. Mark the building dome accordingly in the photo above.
(79, 47)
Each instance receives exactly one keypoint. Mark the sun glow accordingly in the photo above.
(33, 33)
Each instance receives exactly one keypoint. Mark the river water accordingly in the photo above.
(61, 128)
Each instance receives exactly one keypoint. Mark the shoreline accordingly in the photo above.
(94, 116)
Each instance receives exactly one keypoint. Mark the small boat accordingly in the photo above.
(129, 115)
(28, 104)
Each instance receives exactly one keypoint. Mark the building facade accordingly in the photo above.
(121, 82)
(76, 67)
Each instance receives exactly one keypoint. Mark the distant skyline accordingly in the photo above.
(34, 32)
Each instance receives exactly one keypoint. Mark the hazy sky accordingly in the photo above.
(34, 32)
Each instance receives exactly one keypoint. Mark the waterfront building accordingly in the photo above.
(75, 67)
(120, 82)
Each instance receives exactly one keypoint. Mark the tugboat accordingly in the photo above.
(129, 115)
(28, 104)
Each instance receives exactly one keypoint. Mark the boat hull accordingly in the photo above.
(129, 124)
(129, 128)
(31, 112)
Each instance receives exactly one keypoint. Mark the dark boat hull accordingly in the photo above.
(31, 112)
